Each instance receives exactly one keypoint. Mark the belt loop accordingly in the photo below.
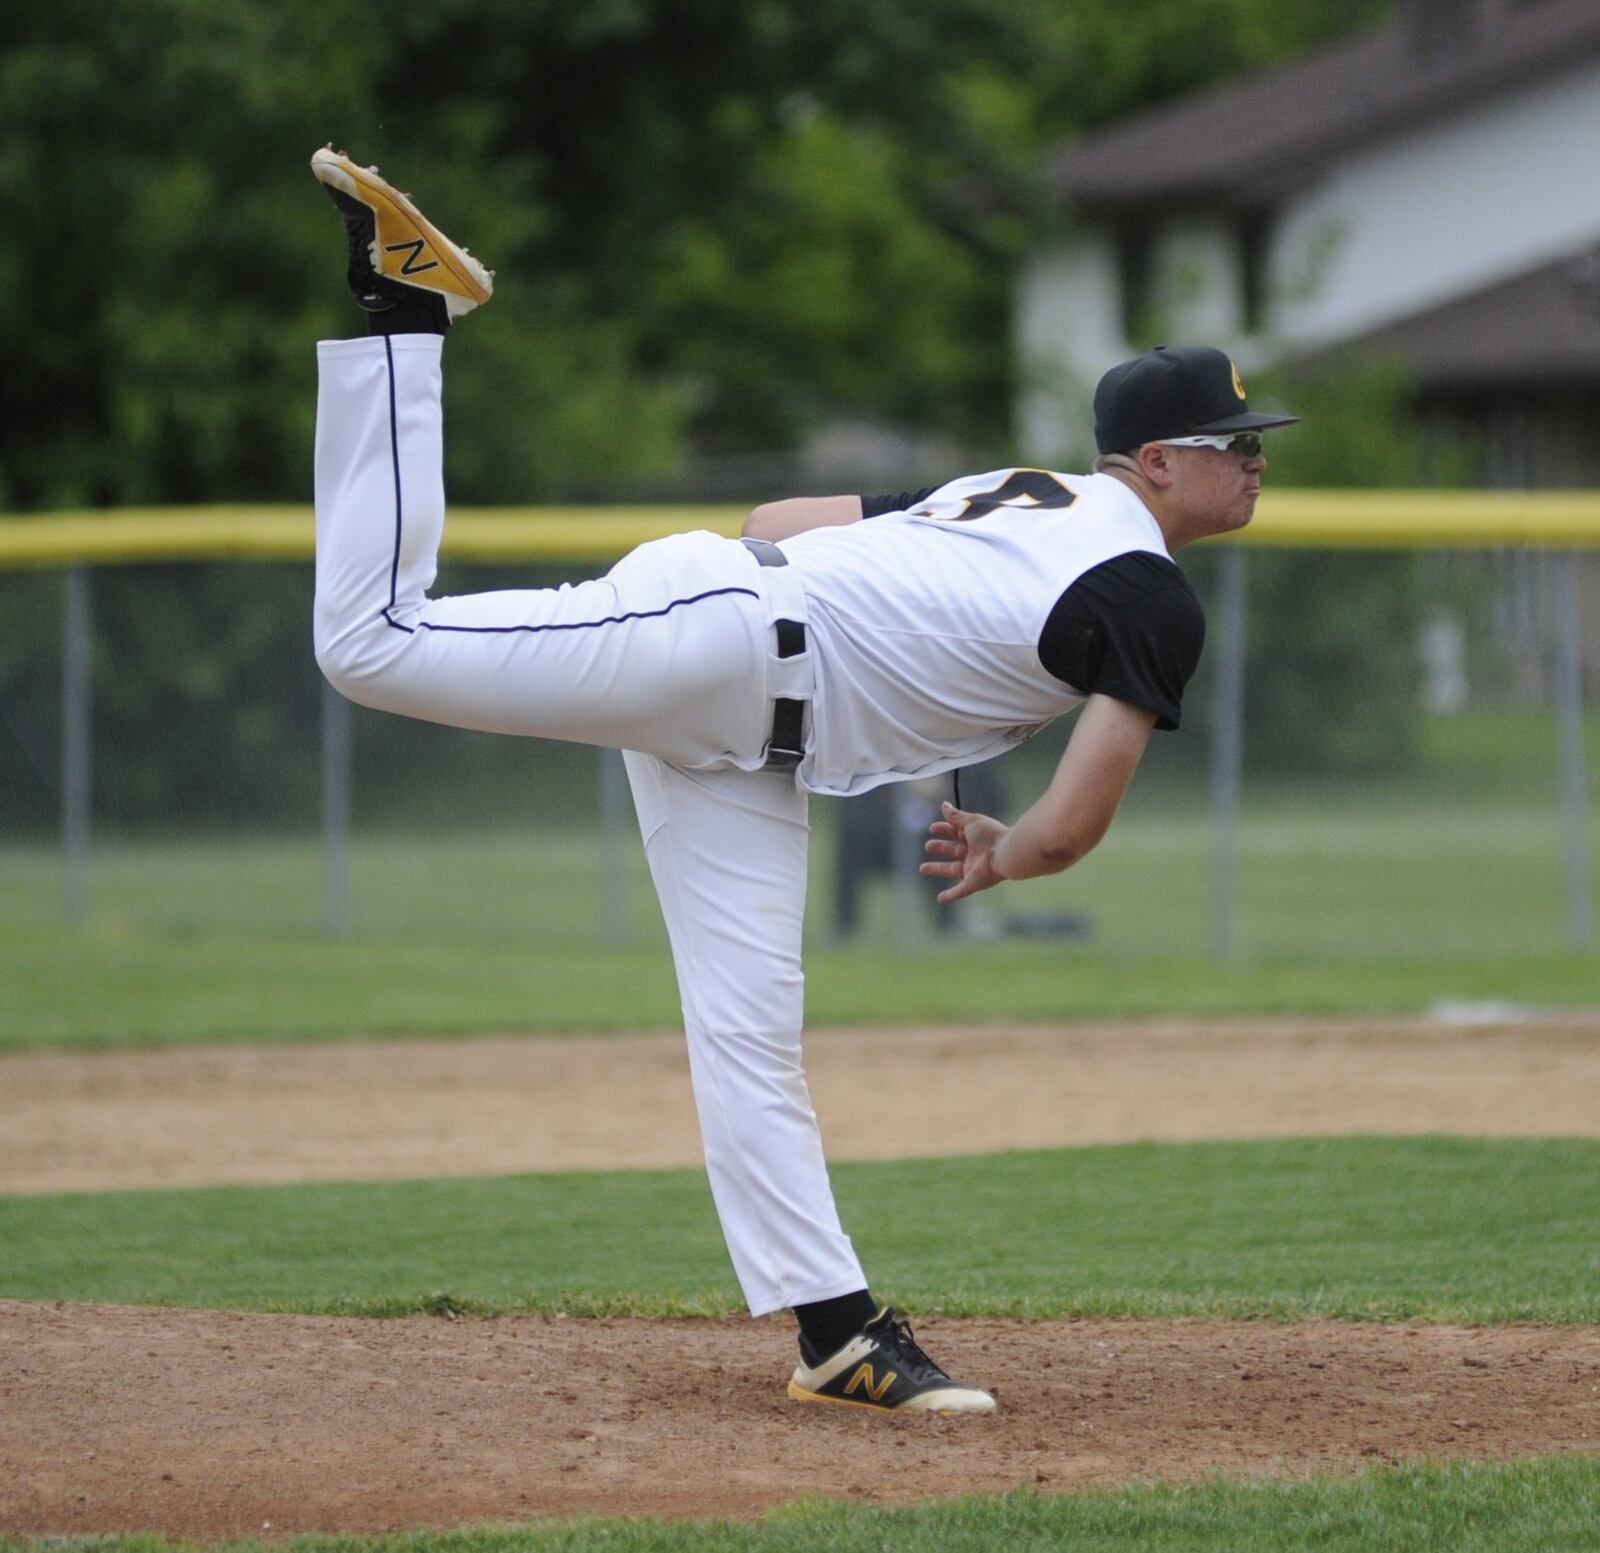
(786, 747)
(765, 552)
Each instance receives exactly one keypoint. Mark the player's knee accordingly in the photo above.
(756, 1043)
(336, 669)
(353, 663)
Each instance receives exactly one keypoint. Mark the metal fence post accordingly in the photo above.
(77, 703)
(910, 821)
(1569, 704)
(1227, 753)
(614, 806)
(336, 762)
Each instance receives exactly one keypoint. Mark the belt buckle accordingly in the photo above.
(786, 747)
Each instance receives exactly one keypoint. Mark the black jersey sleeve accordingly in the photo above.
(1132, 628)
(876, 506)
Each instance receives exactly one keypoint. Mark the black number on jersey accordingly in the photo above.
(1024, 487)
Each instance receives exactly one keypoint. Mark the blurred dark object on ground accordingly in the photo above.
(881, 835)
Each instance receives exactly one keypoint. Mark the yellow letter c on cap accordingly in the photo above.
(1238, 385)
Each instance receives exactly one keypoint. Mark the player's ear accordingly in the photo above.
(1155, 463)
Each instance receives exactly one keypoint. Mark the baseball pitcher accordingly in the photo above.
(844, 642)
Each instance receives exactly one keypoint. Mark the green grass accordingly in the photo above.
(1363, 1228)
(1460, 854)
(1327, 873)
(1370, 897)
(115, 988)
(1319, 872)
(463, 883)
(1520, 1507)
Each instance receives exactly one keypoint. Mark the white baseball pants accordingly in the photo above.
(671, 657)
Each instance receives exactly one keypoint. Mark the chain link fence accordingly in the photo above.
(1385, 753)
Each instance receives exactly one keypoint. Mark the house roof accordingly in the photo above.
(1252, 141)
(1541, 327)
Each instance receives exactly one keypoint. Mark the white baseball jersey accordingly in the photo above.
(926, 624)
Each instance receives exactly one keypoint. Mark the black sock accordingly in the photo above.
(827, 1325)
(422, 313)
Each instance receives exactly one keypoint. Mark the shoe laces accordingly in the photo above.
(359, 237)
(897, 1334)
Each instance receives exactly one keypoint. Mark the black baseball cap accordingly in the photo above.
(1173, 391)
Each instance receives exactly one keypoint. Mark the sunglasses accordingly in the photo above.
(1245, 443)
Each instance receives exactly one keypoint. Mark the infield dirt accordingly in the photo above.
(502, 1105)
(211, 1424)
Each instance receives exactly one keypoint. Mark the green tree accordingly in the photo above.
(713, 222)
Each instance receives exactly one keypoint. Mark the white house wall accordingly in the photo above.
(1068, 331)
(1196, 290)
(1389, 231)
(1069, 321)
(1439, 213)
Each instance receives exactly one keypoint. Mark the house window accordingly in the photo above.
(1254, 231)
(1136, 245)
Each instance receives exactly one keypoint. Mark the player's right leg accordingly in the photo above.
(667, 653)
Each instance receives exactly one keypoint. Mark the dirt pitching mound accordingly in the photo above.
(213, 1424)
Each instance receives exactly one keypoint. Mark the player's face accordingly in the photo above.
(1217, 487)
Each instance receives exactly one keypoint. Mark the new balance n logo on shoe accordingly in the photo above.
(865, 1379)
(409, 265)
(396, 255)
(883, 1368)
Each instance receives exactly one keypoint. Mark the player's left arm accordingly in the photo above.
(1067, 821)
(783, 519)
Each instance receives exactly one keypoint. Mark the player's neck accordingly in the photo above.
(1127, 473)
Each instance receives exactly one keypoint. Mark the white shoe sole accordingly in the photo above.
(943, 1404)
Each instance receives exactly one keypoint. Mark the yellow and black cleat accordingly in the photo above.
(883, 1368)
(396, 253)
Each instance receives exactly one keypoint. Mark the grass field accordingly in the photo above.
(1379, 900)
(1460, 853)
(1429, 1228)
(107, 986)
(1525, 1507)
(1318, 873)
(1352, 898)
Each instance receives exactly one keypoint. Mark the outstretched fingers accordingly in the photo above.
(945, 842)
(962, 844)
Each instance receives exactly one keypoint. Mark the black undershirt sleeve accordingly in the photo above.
(1132, 628)
(876, 506)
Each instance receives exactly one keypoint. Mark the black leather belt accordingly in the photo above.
(786, 749)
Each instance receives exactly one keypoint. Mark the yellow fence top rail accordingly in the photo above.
(1350, 519)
